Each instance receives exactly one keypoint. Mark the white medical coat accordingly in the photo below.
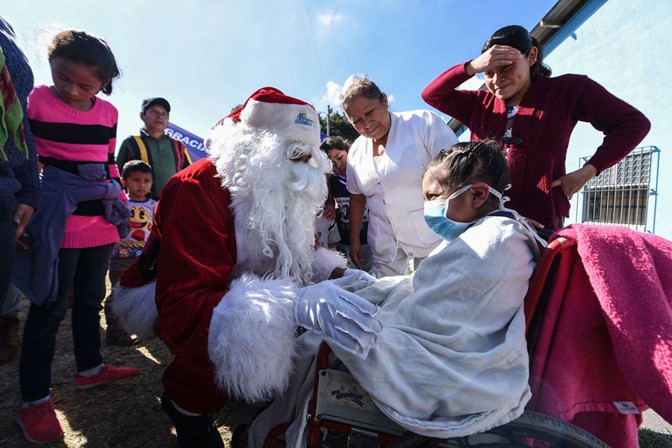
(392, 182)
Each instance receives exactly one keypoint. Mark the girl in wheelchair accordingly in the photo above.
(451, 359)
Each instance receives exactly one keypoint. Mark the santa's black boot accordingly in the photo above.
(192, 431)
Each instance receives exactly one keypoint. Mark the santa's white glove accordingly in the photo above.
(344, 318)
(354, 280)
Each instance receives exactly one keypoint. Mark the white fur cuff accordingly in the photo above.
(251, 340)
(325, 261)
(136, 309)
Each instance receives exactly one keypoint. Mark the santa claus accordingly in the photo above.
(236, 269)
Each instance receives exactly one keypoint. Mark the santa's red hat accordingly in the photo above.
(268, 109)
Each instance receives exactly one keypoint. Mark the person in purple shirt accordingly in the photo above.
(19, 184)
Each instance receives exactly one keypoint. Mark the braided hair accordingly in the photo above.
(470, 162)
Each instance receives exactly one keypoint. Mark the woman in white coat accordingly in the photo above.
(384, 172)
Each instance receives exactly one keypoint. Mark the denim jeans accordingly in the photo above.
(7, 244)
(84, 270)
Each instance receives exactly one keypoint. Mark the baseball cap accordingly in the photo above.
(158, 101)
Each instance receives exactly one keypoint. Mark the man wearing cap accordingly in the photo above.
(164, 154)
(237, 271)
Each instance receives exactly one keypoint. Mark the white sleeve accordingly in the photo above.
(351, 175)
(438, 135)
(325, 261)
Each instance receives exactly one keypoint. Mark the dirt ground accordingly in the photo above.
(121, 415)
(127, 414)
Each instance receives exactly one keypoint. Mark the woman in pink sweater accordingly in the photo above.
(75, 135)
(533, 115)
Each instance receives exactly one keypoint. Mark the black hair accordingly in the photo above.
(135, 166)
(82, 48)
(361, 88)
(470, 162)
(335, 142)
(518, 37)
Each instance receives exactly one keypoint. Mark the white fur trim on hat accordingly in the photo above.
(297, 122)
(252, 337)
(325, 261)
(136, 309)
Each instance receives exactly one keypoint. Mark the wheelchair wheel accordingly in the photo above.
(529, 430)
(555, 432)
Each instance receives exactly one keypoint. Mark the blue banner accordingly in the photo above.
(194, 143)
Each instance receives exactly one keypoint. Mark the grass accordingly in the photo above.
(651, 439)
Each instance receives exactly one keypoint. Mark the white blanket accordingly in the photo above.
(452, 358)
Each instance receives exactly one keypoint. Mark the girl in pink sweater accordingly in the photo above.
(75, 135)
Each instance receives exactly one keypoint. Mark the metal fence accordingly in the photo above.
(621, 193)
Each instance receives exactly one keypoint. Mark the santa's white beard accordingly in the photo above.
(275, 199)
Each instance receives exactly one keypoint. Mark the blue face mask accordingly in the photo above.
(446, 228)
(436, 219)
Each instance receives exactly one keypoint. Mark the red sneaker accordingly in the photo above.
(39, 423)
(107, 374)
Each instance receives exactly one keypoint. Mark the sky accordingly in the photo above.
(207, 56)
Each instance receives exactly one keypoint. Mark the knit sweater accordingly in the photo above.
(18, 175)
(542, 127)
(67, 134)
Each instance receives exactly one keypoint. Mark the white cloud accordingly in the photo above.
(331, 96)
(328, 18)
(390, 98)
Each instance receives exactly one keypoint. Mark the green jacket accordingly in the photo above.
(166, 156)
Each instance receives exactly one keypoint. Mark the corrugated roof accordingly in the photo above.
(559, 14)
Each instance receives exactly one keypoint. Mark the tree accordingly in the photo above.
(338, 125)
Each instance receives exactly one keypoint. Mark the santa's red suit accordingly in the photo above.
(236, 236)
(191, 281)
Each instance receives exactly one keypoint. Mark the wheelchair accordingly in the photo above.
(342, 415)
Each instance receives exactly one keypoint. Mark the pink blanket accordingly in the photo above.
(606, 336)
